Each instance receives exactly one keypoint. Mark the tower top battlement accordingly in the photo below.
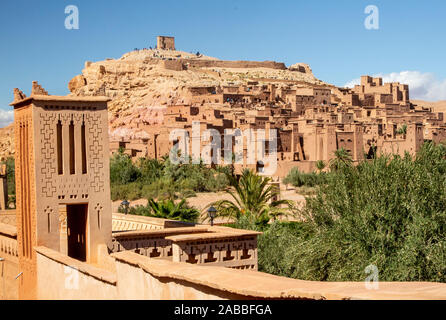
(40, 94)
(165, 43)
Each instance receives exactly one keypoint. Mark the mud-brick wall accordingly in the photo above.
(9, 267)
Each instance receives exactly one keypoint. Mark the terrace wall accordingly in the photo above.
(234, 64)
(140, 277)
(9, 268)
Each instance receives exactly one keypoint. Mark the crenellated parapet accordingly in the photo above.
(18, 95)
(38, 90)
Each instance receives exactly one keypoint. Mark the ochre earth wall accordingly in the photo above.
(61, 277)
(143, 278)
(234, 64)
(9, 266)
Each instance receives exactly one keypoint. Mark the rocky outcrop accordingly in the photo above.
(76, 83)
(301, 67)
(6, 142)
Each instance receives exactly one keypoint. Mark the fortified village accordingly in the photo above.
(154, 91)
(64, 242)
(312, 121)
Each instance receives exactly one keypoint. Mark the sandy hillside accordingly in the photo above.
(437, 106)
(6, 142)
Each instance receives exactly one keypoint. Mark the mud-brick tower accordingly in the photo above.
(62, 160)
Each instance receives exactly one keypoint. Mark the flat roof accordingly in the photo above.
(62, 99)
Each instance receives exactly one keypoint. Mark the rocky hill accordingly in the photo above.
(438, 106)
(6, 142)
(143, 82)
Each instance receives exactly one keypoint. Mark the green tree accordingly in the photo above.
(341, 160)
(299, 179)
(122, 169)
(10, 176)
(402, 130)
(254, 197)
(320, 165)
(162, 179)
(389, 212)
(10, 173)
(150, 169)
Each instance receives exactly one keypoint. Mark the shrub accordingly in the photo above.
(165, 209)
(151, 178)
(299, 179)
(320, 165)
(163, 188)
(390, 212)
(168, 209)
(122, 169)
(130, 191)
(216, 182)
(10, 175)
(138, 210)
(150, 169)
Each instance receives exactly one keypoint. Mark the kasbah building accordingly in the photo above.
(64, 242)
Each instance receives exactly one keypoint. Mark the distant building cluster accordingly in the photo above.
(312, 122)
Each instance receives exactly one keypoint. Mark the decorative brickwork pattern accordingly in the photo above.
(48, 152)
(231, 252)
(149, 246)
(8, 218)
(238, 252)
(96, 152)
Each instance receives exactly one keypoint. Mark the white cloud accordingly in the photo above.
(353, 83)
(6, 117)
(422, 86)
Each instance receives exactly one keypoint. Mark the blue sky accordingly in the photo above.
(328, 35)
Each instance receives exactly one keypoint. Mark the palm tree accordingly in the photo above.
(342, 158)
(320, 165)
(254, 197)
(167, 209)
(402, 130)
